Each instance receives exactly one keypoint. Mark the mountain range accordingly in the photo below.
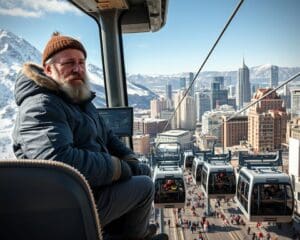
(14, 51)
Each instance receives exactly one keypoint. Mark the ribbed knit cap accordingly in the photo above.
(58, 43)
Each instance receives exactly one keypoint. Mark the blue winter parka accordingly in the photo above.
(50, 126)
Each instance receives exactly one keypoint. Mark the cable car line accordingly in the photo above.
(205, 60)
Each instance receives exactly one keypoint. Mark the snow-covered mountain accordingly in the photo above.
(14, 51)
(258, 75)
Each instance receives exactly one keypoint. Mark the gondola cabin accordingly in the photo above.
(169, 187)
(218, 180)
(265, 194)
(197, 169)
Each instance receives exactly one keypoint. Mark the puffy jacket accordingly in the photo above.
(50, 126)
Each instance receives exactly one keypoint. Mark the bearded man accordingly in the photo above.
(57, 121)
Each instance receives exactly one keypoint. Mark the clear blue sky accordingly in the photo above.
(263, 31)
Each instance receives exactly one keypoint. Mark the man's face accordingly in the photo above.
(67, 68)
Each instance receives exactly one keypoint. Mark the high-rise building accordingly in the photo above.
(151, 126)
(293, 129)
(202, 104)
(219, 96)
(141, 144)
(243, 91)
(185, 114)
(267, 122)
(182, 83)
(231, 91)
(169, 96)
(155, 108)
(212, 122)
(274, 76)
(295, 103)
(235, 130)
(192, 91)
(219, 79)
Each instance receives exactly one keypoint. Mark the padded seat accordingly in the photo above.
(45, 200)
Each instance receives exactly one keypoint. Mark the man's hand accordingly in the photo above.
(121, 170)
(138, 168)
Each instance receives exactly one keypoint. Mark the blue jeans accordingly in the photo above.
(129, 200)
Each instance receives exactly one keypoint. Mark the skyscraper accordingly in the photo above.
(295, 103)
(267, 122)
(219, 96)
(192, 90)
(243, 91)
(202, 104)
(274, 76)
(185, 114)
(169, 96)
(182, 83)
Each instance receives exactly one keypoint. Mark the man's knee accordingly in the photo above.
(147, 185)
(145, 170)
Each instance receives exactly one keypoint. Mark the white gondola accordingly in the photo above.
(265, 194)
(197, 169)
(169, 187)
(218, 180)
(188, 158)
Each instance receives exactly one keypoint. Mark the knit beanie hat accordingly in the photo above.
(58, 43)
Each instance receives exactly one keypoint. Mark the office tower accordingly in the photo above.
(202, 104)
(243, 91)
(155, 108)
(182, 83)
(220, 80)
(192, 90)
(218, 96)
(235, 130)
(267, 122)
(141, 144)
(185, 114)
(212, 122)
(169, 96)
(274, 76)
(295, 103)
(231, 91)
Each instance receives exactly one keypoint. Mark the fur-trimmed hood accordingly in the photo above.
(32, 80)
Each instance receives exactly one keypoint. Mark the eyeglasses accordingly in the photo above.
(71, 63)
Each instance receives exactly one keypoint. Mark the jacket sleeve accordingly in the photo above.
(43, 132)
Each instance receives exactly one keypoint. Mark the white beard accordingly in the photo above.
(76, 93)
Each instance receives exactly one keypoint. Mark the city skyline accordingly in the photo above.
(264, 32)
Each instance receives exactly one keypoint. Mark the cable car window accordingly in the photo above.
(204, 179)
(189, 161)
(271, 199)
(221, 183)
(243, 192)
(119, 119)
(198, 173)
(169, 190)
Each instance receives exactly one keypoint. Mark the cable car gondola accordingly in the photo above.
(218, 177)
(265, 193)
(218, 180)
(168, 177)
(169, 187)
